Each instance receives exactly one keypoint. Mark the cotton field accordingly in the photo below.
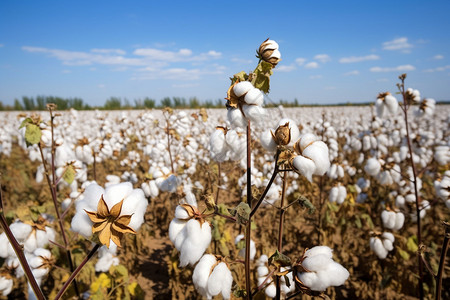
(163, 158)
(241, 202)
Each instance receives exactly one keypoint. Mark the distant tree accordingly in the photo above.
(179, 102)
(76, 103)
(149, 103)
(113, 103)
(17, 105)
(194, 103)
(166, 102)
(28, 103)
(138, 104)
(40, 103)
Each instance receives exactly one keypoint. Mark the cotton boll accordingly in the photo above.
(372, 166)
(317, 250)
(377, 246)
(304, 166)
(338, 274)
(254, 97)
(271, 291)
(388, 218)
(242, 251)
(389, 236)
(254, 112)
(305, 140)
(318, 152)
(201, 273)
(262, 271)
(243, 87)
(311, 279)
(220, 281)
(399, 220)
(6, 285)
(333, 194)
(391, 103)
(267, 141)
(317, 262)
(387, 244)
(236, 119)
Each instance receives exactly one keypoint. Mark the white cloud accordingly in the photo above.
(438, 57)
(401, 68)
(354, 59)
(398, 44)
(438, 69)
(186, 85)
(241, 61)
(315, 76)
(312, 65)
(153, 73)
(323, 58)
(109, 51)
(284, 68)
(170, 56)
(355, 72)
(300, 61)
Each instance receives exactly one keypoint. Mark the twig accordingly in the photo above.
(19, 252)
(248, 227)
(77, 270)
(442, 260)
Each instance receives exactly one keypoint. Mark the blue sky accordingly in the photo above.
(332, 51)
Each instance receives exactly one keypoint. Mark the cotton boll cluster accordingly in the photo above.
(238, 240)
(382, 245)
(392, 220)
(338, 194)
(227, 144)
(285, 134)
(335, 171)
(6, 284)
(190, 234)
(134, 204)
(320, 271)
(386, 101)
(106, 259)
(426, 108)
(313, 156)
(40, 262)
(212, 277)
(262, 272)
(412, 95)
(246, 103)
(164, 179)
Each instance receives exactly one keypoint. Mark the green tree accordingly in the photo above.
(166, 102)
(113, 103)
(149, 103)
(17, 105)
(194, 103)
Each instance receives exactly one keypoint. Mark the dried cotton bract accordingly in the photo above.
(320, 271)
(285, 134)
(212, 277)
(111, 212)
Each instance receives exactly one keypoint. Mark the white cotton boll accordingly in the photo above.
(242, 251)
(20, 230)
(254, 112)
(399, 220)
(388, 218)
(6, 285)
(169, 184)
(342, 194)
(196, 241)
(317, 250)
(310, 279)
(270, 45)
(379, 105)
(181, 213)
(305, 140)
(116, 193)
(318, 152)
(243, 87)
(340, 171)
(304, 166)
(254, 97)
(262, 260)
(267, 141)
(201, 273)
(385, 178)
(337, 274)
(218, 147)
(271, 291)
(372, 166)
(333, 194)
(387, 244)
(276, 53)
(82, 224)
(236, 118)
(399, 201)
(91, 196)
(4, 243)
(293, 128)
(177, 233)
(262, 271)
(332, 171)
(220, 281)
(317, 262)
(389, 236)
(366, 145)
(377, 246)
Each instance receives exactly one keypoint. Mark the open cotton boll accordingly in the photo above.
(267, 141)
(6, 285)
(333, 194)
(338, 274)
(377, 246)
(201, 273)
(317, 262)
(243, 87)
(293, 129)
(175, 227)
(304, 166)
(242, 251)
(254, 97)
(305, 140)
(319, 250)
(389, 236)
(388, 218)
(399, 221)
(372, 166)
(262, 271)
(387, 244)
(254, 112)
(198, 238)
(220, 281)
(318, 152)
(391, 103)
(236, 118)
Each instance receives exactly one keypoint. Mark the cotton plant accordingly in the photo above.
(226, 144)
(109, 213)
(382, 244)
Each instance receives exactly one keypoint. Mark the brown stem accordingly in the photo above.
(19, 252)
(280, 233)
(416, 192)
(442, 261)
(248, 227)
(219, 171)
(264, 284)
(77, 270)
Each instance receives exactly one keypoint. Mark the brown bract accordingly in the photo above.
(109, 223)
(282, 135)
(233, 100)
